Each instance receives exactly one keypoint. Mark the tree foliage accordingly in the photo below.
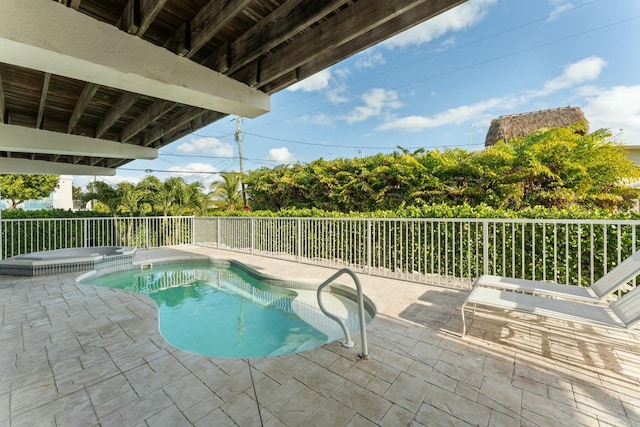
(151, 196)
(555, 168)
(18, 188)
(226, 194)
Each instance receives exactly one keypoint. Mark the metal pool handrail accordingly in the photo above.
(347, 336)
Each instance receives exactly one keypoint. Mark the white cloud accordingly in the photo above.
(447, 44)
(376, 102)
(318, 81)
(320, 119)
(452, 116)
(281, 155)
(208, 146)
(575, 74)
(338, 94)
(459, 18)
(583, 71)
(614, 108)
(367, 59)
(559, 7)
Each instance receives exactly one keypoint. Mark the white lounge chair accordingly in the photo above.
(623, 313)
(599, 292)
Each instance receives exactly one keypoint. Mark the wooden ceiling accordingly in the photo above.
(267, 45)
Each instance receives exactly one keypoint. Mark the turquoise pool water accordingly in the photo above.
(224, 312)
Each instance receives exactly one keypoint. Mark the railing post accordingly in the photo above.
(252, 230)
(147, 233)
(193, 229)
(299, 239)
(369, 240)
(218, 234)
(485, 247)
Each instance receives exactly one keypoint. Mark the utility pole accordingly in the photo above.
(239, 142)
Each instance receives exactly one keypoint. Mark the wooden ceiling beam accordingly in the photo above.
(43, 99)
(146, 13)
(130, 18)
(186, 41)
(211, 19)
(73, 4)
(149, 10)
(120, 107)
(85, 49)
(198, 123)
(282, 24)
(88, 92)
(283, 82)
(153, 113)
(172, 123)
(393, 27)
(348, 25)
(219, 60)
(191, 36)
(138, 15)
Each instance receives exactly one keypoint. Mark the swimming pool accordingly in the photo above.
(225, 311)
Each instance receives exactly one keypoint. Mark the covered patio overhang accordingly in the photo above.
(87, 86)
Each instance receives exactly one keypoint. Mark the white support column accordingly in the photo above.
(18, 139)
(40, 167)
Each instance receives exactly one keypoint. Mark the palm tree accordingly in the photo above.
(130, 201)
(172, 196)
(227, 192)
(193, 200)
(108, 199)
(162, 196)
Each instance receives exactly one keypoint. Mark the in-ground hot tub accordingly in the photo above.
(67, 260)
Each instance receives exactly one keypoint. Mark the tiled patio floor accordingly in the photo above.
(74, 354)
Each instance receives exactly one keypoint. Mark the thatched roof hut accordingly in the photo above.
(523, 124)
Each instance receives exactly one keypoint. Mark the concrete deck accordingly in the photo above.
(77, 355)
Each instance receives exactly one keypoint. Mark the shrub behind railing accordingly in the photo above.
(571, 246)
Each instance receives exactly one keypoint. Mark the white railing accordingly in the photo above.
(20, 236)
(450, 252)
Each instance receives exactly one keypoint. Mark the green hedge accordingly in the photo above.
(445, 211)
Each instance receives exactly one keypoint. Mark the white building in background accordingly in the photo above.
(63, 195)
(60, 198)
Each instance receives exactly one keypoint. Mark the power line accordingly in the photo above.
(228, 158)
(458, 47)
(192, 172)
(468, 67)
(464, 68)
(363, 147)
(435, 76)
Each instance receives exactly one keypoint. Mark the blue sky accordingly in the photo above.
(437, 85)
